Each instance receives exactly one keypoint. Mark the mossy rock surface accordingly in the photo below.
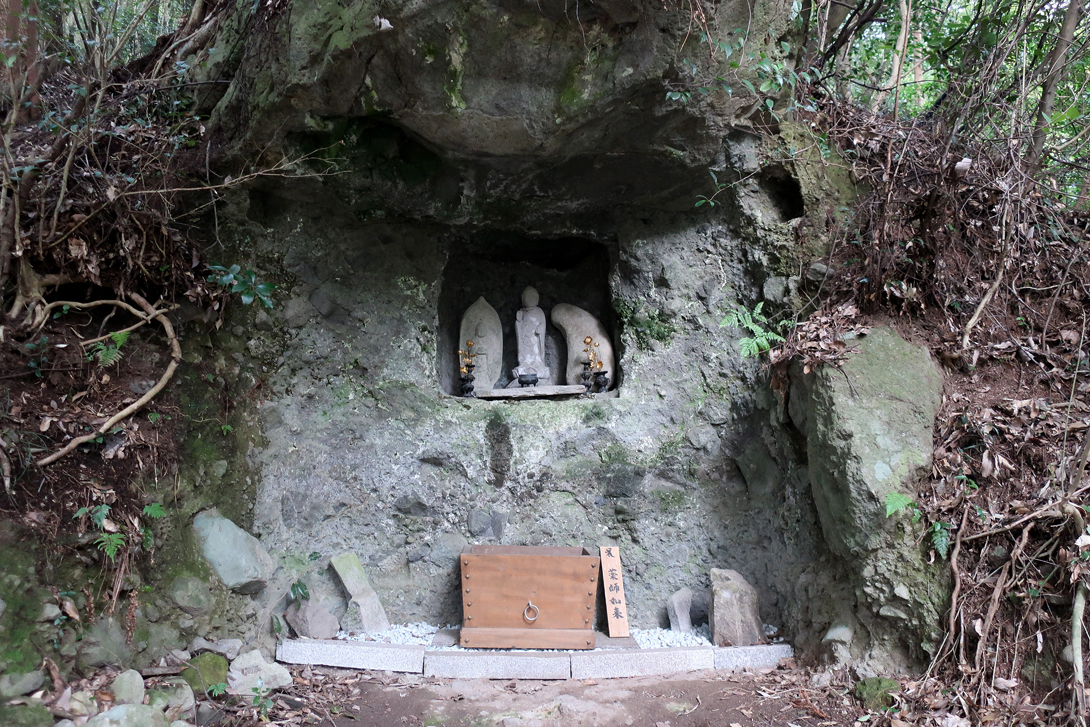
(207, 669)
(875, 692)
(26, 715)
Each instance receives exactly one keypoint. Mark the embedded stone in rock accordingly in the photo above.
(411, 505)
(677, 608)
(481, 324)
(297, 312)
(206, 670)
(104, 644)
(499, 522)
(365, 612)
(251, 666)
(128, 688)
(227, 648)
(16, 685)
(238, 558)
(130, 715)
(734, 619)
(478, 522)
(50, 612)
(869, 434)
(623, 480)
(311, 621)
(173, 696)
(577, 325)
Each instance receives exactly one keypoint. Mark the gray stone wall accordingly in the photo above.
(367, 451)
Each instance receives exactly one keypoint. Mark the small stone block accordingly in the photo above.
(352, 655)
(446, 637)
(496, 665)
(604, 641)
(639, 662)
(736, 658)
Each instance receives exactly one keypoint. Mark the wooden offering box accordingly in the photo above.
(524, 597)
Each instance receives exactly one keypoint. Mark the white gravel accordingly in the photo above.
(665, 638)
(423, 633)
(417, 633)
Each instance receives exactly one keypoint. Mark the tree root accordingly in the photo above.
(5, 467)
(30, 294)
(175, 359)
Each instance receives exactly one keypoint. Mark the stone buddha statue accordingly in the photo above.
(530, 332)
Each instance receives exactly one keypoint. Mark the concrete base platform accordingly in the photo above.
(608, 663)
(496, 665)
(352, 654)
(640, 662)
(736, 658)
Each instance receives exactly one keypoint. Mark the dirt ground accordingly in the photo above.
(697, 699)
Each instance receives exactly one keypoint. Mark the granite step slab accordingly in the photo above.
(496, 665)
(640, 662)
(352, 654)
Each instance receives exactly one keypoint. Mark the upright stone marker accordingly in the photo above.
(734, 619)
(677, 608)
(613, 579)
(365, 611)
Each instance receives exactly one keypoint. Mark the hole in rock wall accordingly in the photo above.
(783, 191)
(499, 266)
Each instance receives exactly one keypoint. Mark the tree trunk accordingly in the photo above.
(21, 38)
(898, 56)
(1051, 83)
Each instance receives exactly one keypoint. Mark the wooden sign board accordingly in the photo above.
(613, 580)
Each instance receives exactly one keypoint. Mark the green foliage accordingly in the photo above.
(38, 358)
(110, 543)
(939, 531)
(897, 501)
(755, 323)
(646, 327)
(711, 201)
(299, 591)
(261, 698)
(107, 353)
(154, 511)
(940, 538)
(98, 514)
(243, 282)
(217, 690)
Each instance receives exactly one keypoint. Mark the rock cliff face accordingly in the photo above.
(506, 112)
(478, 148)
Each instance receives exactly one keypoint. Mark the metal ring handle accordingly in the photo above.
(526, 612)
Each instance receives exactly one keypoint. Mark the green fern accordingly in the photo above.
(110, 544)
(107, 353)
(940, 538)
(755, 323)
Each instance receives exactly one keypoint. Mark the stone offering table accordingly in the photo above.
(532, 392)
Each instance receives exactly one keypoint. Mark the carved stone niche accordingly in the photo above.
(499, 266)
